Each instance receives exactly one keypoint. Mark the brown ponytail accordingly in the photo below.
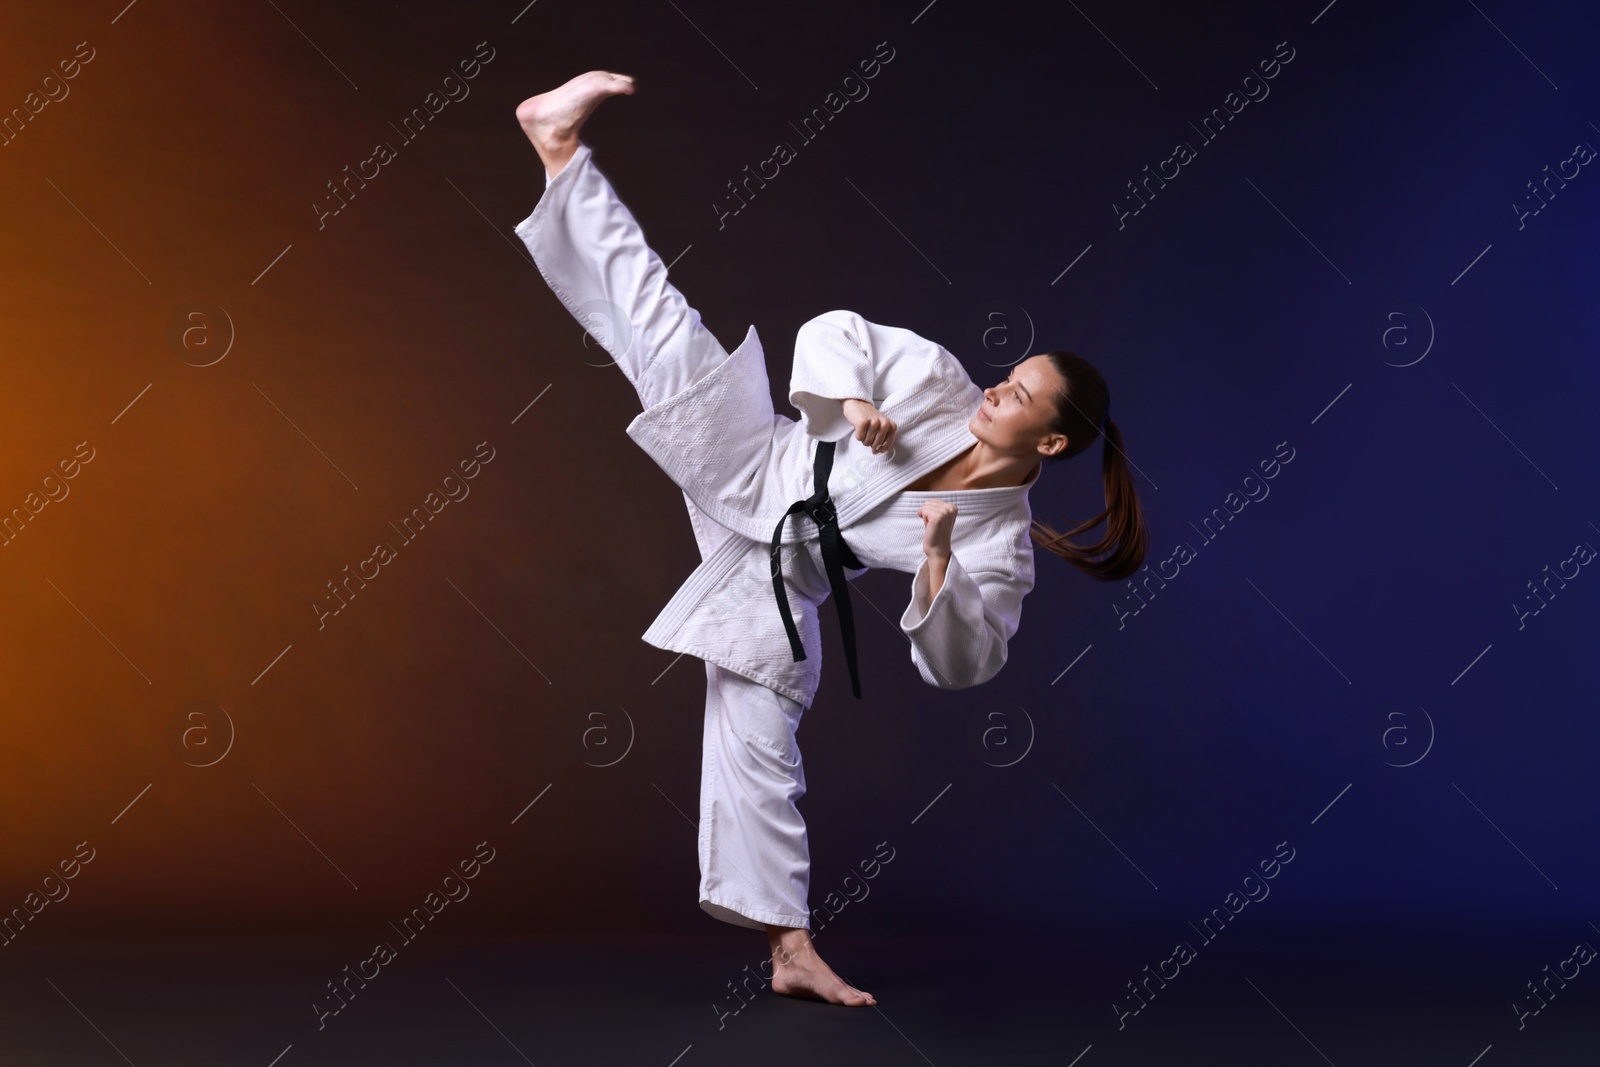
(1082, 415)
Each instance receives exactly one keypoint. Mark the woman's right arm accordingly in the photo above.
(840, 356)
(873, 428)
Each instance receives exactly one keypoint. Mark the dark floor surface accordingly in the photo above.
(1004, 1000)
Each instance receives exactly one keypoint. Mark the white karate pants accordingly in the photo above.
(755, 861)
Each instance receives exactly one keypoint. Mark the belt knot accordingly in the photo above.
(836, 555)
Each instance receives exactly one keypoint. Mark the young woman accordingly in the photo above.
(894, 442)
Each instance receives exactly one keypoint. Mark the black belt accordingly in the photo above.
(836, 555)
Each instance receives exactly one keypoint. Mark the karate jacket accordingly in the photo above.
(742, 464)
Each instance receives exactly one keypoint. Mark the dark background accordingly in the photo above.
(1340, 272)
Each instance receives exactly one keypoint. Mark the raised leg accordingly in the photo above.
(593, 254)
(552, 120)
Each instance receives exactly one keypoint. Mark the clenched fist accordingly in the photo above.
(873, 428)
(938, 519)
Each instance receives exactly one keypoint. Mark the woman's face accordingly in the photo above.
(1015, 415)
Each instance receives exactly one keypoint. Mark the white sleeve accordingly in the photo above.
(959, 638)
(839, 355)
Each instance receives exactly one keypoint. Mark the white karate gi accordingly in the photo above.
(708, 421)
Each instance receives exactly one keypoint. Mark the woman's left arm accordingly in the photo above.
(959, 622)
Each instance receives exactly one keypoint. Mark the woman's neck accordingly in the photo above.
(981, 467)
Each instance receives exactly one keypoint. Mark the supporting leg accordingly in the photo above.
(755, 860)
(798, 971)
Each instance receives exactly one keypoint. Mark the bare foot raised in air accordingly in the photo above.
(797, 970)
(552, 120)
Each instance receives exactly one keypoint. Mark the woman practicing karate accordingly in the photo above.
(894, 442)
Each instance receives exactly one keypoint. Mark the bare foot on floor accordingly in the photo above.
(552, 120)
(797, 970)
